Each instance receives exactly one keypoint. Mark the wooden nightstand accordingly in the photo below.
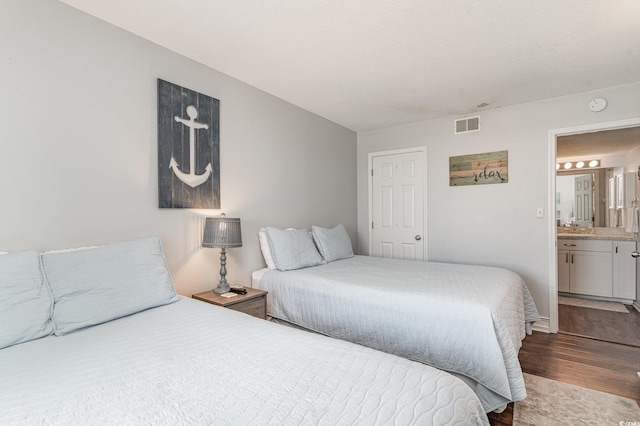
(253, 303)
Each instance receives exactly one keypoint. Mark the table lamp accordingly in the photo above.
(222, 232)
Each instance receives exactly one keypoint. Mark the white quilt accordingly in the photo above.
(464, 319)
(191, 363)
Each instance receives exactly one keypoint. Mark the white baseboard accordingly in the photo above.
(542, 325)
(636, 304)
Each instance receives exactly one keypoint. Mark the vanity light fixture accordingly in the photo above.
(579, 164)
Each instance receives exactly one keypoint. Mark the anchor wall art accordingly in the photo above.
(188, 148)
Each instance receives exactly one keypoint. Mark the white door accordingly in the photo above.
(583, 201)
(397, 203)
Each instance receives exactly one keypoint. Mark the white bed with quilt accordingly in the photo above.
(465, 319)
(99, 337)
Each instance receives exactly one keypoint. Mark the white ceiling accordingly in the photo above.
(377, 63)
(594, 144)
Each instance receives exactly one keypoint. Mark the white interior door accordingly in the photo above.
(583, 200)
(398, 205)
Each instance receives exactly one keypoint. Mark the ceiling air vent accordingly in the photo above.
(466, 125)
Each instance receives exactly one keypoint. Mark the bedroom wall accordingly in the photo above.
(78, 145)
(493, 224)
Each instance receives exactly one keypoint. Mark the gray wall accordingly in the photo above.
(493, 224)
(78, 146)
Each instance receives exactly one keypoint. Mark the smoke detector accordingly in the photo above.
(597, 104)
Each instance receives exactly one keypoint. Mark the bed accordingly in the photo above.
(98, 336)
(465, 319)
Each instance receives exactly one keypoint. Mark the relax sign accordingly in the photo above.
(478, 169)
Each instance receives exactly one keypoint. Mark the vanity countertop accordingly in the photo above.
(595, 233)
(629, 236)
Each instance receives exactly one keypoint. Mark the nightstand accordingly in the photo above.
(253, 303)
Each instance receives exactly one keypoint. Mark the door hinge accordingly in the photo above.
(372, 172)
(371, 225)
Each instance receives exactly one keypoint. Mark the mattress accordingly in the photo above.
(193, 363)
(465, 319)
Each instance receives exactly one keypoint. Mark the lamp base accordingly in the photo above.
(223, 286)
(221, 289)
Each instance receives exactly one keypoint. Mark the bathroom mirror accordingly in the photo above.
(618, 151)
(581, 197)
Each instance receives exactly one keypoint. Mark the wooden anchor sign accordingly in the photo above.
(188, 148)
(191, 178)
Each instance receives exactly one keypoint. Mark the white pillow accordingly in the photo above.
(333, 244)
(264, 247)
(25, 299)
(292, 249)
(100, 284)
(70, 249)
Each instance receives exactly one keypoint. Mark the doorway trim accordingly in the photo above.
(551, 207)
(423, 150)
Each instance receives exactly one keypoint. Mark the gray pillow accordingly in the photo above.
(100, 284)
(334, 243)
(25, 299)
(292, 248)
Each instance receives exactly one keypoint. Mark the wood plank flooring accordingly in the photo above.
(594, 364)
(609, 326)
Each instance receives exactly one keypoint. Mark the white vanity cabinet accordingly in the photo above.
(602, 268)
(624, 270)
(564, 274)
(589, 265)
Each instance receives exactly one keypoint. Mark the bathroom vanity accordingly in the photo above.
(596, 264)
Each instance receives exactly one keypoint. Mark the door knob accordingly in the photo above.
(635, 254)
(418, 238)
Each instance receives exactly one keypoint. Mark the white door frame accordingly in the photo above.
(422, 149)
(551, 208)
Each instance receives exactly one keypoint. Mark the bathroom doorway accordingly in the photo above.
(581, 202)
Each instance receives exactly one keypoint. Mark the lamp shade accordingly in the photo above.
(222, 232)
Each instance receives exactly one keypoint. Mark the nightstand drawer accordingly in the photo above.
(256, 307)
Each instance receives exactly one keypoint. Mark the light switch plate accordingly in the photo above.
(540, 212)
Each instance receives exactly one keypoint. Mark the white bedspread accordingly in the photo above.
(193, 363)
(465, 319)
